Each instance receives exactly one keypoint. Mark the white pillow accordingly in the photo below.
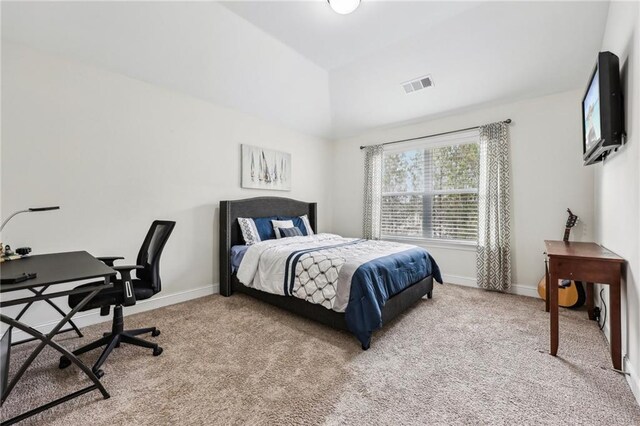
(307, 225)
(281, 224)
(249, 231)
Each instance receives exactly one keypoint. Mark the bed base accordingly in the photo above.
(395, 306)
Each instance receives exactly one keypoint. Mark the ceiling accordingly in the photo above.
(331, 40)
(476, 52)
(322, 73)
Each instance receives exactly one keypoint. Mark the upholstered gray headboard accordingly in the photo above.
(230, 234)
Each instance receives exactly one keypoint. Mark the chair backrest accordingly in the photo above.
(149, 254)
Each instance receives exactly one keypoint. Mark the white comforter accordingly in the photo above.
(320, 266)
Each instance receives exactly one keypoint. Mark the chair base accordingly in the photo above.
(112, 340)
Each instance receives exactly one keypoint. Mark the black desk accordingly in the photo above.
(51, 269)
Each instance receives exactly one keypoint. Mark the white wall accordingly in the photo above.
(117, 153)
(547, 172)
(617, 183)
(199, 48)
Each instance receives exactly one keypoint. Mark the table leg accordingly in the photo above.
(46, 340)
(40, 292)
(590, 305)
(546, 288)
(552, 286)
(614, 323)
(61, 312)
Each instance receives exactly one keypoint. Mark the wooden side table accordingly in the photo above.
(590, 263)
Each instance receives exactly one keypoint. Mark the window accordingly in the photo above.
(430, 189)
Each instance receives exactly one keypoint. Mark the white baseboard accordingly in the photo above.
(456, 279)
(93, 317)
(519, 289)
(632, 378)
(525, 290)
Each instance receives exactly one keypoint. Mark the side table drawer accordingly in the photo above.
(586, 270)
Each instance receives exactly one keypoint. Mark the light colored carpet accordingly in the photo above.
(464, 357)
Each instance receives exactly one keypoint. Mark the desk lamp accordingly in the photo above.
(29, 210)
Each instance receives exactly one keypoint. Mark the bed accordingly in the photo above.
(231, 236)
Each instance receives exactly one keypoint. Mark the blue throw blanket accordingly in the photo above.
(375, 282)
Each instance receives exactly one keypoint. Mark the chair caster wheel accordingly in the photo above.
(99, 373)
(64, 362)
(157, 351)
(155, 333)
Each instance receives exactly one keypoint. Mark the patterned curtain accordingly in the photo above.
(494, 209)
(372, 192)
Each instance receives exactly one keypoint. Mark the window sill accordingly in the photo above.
(431, 242)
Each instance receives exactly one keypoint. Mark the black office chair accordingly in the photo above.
(125, 292)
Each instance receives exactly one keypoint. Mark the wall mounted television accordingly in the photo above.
(602, 110)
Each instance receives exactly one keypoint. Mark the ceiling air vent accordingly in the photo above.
(417, 84)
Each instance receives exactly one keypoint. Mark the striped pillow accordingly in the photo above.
(289, 232)
(305, 221)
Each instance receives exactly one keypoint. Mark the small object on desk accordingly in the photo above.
(12, 257)
(8, 254)
(20, 278)
(23, 251)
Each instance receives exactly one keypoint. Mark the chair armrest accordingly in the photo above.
(108, 260)
(128, 268)
(128, 294)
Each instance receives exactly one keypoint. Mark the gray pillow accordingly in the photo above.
(289, 232)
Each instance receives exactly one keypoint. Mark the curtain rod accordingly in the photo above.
(507, 121)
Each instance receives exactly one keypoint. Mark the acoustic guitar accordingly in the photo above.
(571, 294)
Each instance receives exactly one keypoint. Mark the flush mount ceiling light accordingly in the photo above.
(344, 7)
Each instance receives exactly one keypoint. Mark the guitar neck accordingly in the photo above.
(567, 231)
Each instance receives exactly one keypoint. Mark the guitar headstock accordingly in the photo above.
(571, 220)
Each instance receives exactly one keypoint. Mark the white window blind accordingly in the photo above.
(430, 189)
